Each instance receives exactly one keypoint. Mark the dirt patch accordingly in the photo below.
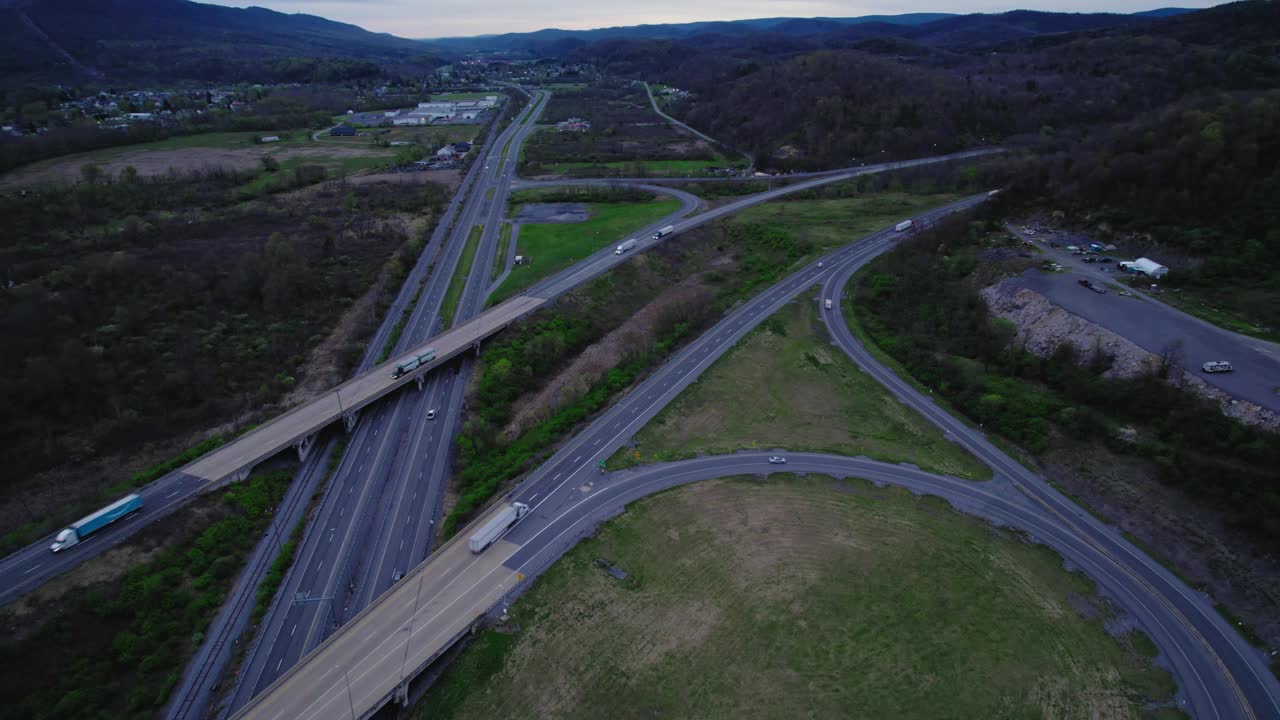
(553, 213)
(1200, 543)
(638, 331)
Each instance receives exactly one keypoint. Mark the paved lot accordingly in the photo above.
(1152, 326)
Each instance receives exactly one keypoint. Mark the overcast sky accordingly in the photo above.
(448, 18)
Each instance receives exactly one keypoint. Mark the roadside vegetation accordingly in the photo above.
(145, 311)
(921, 306)
(117, 648)
(553, 247)
(544, 375)
(863, 601)
(1142, 450)
(785, 386)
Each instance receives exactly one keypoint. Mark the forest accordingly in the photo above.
(142, 308)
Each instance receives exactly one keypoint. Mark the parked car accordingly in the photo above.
(777, 460)
(1105, 259)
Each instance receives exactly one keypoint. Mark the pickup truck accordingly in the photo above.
(1086, 282)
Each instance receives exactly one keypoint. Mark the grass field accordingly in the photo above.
(500, 255)
(334, 164)
(642, 168)
(555, 246)
(804, 598)
(451, 296)
(838, 221)
(1226, 308)
(785, 386)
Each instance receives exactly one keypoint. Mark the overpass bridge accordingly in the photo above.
(299, 427)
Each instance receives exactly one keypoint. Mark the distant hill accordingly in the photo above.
(140, 40)
(543, 41)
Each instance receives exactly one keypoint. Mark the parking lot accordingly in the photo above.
(1152, 325)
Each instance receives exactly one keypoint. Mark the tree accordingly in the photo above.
(91, 172)
(1171, 361)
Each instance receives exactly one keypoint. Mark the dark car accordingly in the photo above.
(1085, 282)
(1105, 260)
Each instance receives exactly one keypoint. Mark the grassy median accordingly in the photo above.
(553, 247)
(449, 307)
(786, 386)
(804, 597)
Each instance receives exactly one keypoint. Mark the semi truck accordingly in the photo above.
(626, 246)
(77, 531)
(905, 224)
(413, 363)
(828, 303)
(664, 231)
(497, 525)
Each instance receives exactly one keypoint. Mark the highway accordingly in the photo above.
(583, 453)
(33, 565)
(360, 667)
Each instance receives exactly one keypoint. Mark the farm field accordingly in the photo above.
(785, 386)
(804, 597)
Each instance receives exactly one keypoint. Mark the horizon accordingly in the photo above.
(450, 19)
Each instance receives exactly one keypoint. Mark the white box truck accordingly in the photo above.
(626, 246)
(497, 525)
(828, 303)
(664, 231)
(905, 224)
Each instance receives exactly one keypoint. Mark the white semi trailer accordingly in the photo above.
(497, 525)
(905, 224)
(626, 246)
(664, 231)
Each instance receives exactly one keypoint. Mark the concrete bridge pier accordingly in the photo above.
(421, 380)
(349, 419)
(304, 445)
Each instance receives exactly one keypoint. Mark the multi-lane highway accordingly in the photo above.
(363, 666)
(32, 565)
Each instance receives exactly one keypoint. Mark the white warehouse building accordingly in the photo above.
(1150, 268)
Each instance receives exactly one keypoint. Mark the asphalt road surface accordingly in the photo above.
(361, 667)
(580, 457)
(1153, 326)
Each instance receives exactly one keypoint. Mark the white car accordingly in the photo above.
(777, 460)
(431, 414)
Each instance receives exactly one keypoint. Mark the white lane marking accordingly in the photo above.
(33, 569)
(278, 662)
(295, 629)
(175, 492)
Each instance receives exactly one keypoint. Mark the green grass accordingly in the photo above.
(1203, 303)
(449, 307)
(333, 165)
(837, 221)
(555, 246)
(786, 386)
(803, 598)
(654, 168)
(500, 255)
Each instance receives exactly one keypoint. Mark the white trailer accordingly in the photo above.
(664, 231)
(626, 246)
(905, 224)
(497, 525)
